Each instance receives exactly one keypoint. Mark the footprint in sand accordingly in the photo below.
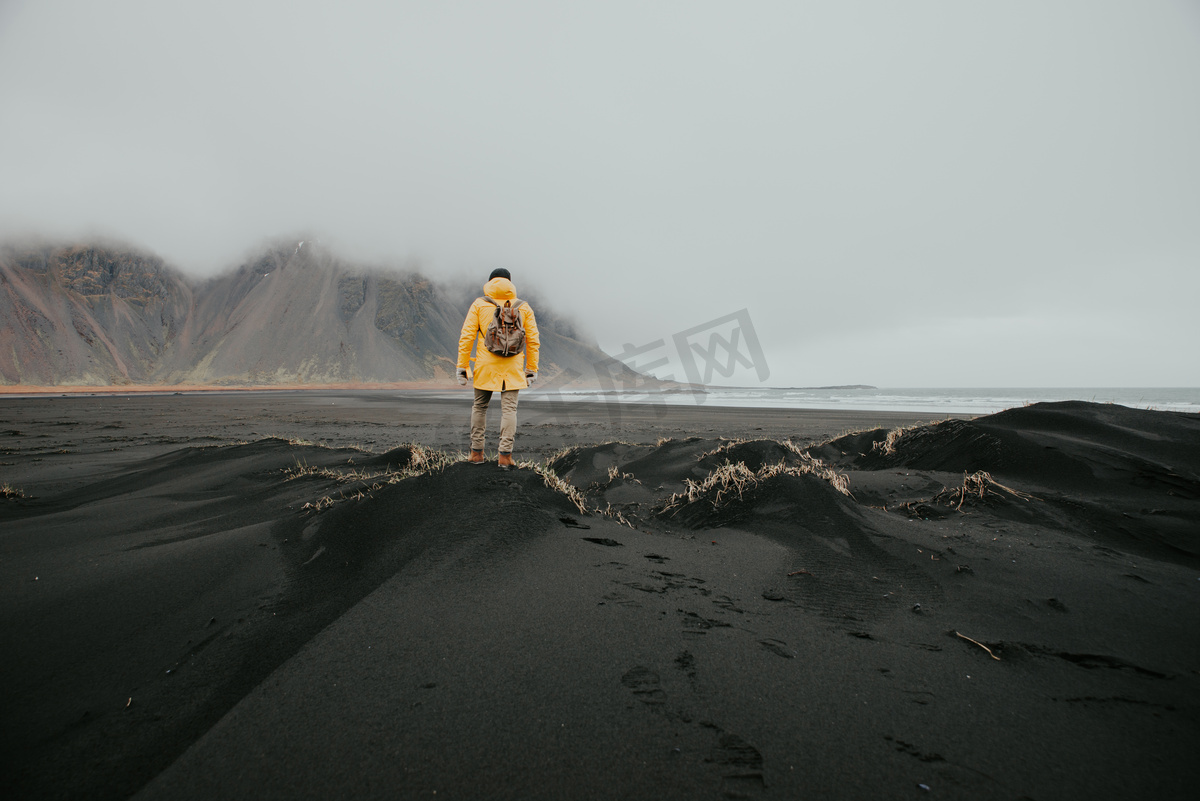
(743, 763)
(778, 647)
(610, 543)
(645, 685)
(687, 663)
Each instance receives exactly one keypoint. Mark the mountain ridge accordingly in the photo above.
(294, 314)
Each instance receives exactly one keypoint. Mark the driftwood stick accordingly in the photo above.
(981, 645)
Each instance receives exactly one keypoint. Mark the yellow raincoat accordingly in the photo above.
(491, 371)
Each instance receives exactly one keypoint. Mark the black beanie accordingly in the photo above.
(500, 272)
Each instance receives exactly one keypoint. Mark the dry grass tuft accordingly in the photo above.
(562, 454)
(888, 446)
(796, 449)
(977, 486)
(615, 474)
(718, 487)
(423, 460)
(558, 484)
(732, 480)
(304, 470)
(301, 470)
(9, 492)
(428, 460)
(814, 466)
(809, 465)
(724, 447)
(319, 505)
(616, 514)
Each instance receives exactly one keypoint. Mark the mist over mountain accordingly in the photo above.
(102, 314)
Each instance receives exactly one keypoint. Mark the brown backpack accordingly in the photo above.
(505, 334)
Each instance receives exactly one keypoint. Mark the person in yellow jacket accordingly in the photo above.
(507, 375)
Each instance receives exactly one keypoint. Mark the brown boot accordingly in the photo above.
(476, 457)
(506, 461)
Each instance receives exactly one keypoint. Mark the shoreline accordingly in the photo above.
(938, 403)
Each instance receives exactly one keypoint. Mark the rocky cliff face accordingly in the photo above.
(96, 315)
(87, 315)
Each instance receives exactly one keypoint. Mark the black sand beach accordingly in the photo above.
(280, 595)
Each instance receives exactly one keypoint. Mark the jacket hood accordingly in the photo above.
(500, 289)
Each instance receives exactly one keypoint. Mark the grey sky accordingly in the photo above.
(902, 194)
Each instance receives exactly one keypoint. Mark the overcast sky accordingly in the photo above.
(901, 194)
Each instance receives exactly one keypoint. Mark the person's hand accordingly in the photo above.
(462, 377)
(530, 378)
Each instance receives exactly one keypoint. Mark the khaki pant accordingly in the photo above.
(508, 418)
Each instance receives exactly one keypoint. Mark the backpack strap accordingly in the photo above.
(516, 305)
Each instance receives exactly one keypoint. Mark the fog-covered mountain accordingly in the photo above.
(297, 314)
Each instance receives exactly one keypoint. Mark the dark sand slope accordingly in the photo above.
(732, 619)
(111, 589)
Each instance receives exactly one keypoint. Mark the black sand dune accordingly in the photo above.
(205, 558)
(729, 618)
(1129, 478)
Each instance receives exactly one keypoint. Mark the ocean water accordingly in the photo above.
(968, 401)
